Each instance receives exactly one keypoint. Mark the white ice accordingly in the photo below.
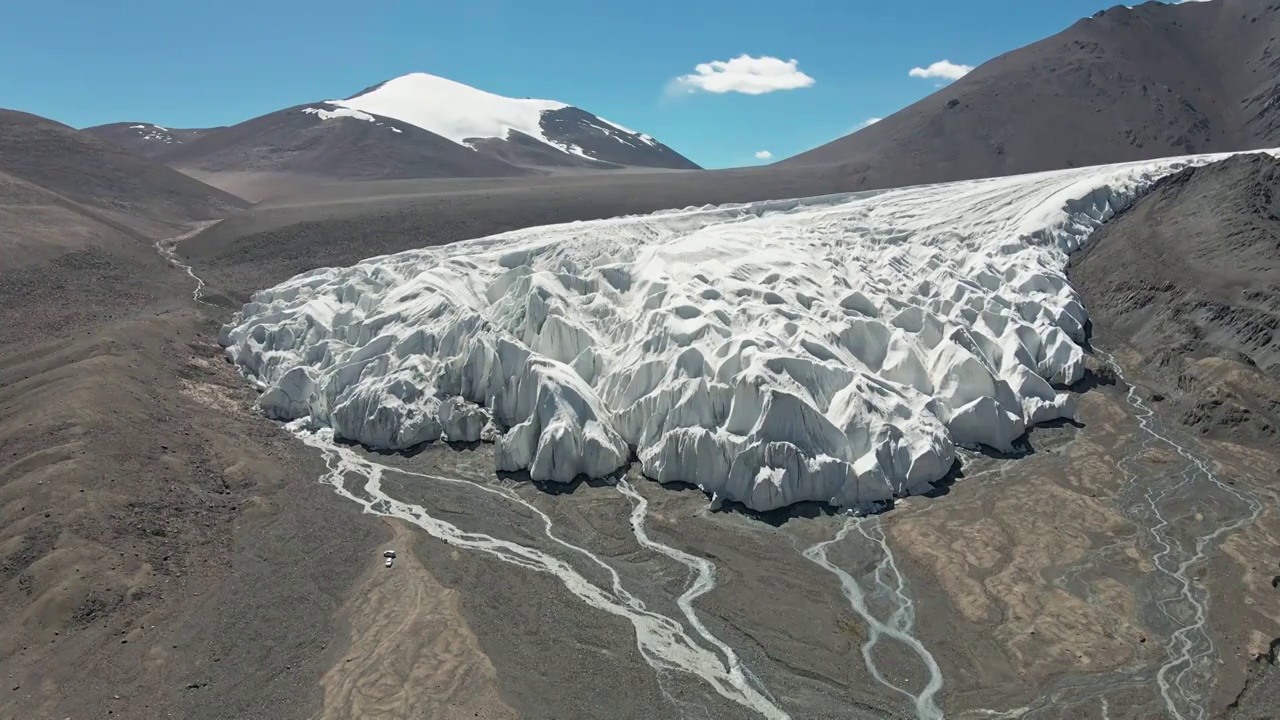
(835, 349)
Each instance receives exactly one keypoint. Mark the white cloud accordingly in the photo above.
(744, 74)
(869, 122)
(764, 155)
(944, 69)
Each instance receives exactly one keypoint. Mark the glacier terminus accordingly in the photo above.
(834, 349)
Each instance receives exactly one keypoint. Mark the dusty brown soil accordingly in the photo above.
(410, 652)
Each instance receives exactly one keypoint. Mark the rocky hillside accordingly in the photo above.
(87, 170)
(146, 139)
(78, 218)
(1126, 84)
(1190, 278)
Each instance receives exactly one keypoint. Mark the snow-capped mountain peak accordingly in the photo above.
(413, 126)
(485, 122)
(451, 109)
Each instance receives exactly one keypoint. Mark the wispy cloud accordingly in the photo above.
(743, 74)
(869, 122)
(764, 155)
(944, 69)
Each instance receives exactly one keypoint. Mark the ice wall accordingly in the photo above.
(834, 349)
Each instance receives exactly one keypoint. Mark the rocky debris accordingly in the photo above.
(1189, 277)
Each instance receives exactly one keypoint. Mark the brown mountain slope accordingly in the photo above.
(298, 140)
(146, 139)
(96, 173)
(1126, 84)
(121, 469)
(1190, 277)
(79, 218)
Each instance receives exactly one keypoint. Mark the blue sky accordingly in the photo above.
(193, 64)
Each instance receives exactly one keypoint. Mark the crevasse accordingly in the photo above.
(833, 349)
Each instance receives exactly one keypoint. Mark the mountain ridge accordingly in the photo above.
(412, 126)
(94, 172)
(146, 139)
(1137, 83)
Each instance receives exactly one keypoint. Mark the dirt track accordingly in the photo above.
(411, 652)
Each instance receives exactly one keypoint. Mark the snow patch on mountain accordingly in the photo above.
(338, 113)
(835, 349)
(156, 133)
(626, 130)
(646, 139)
(640, 136)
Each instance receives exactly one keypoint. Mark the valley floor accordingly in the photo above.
(1032, 582)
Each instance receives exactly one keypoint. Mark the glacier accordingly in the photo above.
(834, 349)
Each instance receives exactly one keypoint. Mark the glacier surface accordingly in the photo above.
(834, 349)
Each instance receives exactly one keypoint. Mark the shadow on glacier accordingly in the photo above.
(554, 489)
(1104, 377)
(1095, 377)
(812, 510)
(412, 451)
(777, 518)
(807, 510)
(1023, 447)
